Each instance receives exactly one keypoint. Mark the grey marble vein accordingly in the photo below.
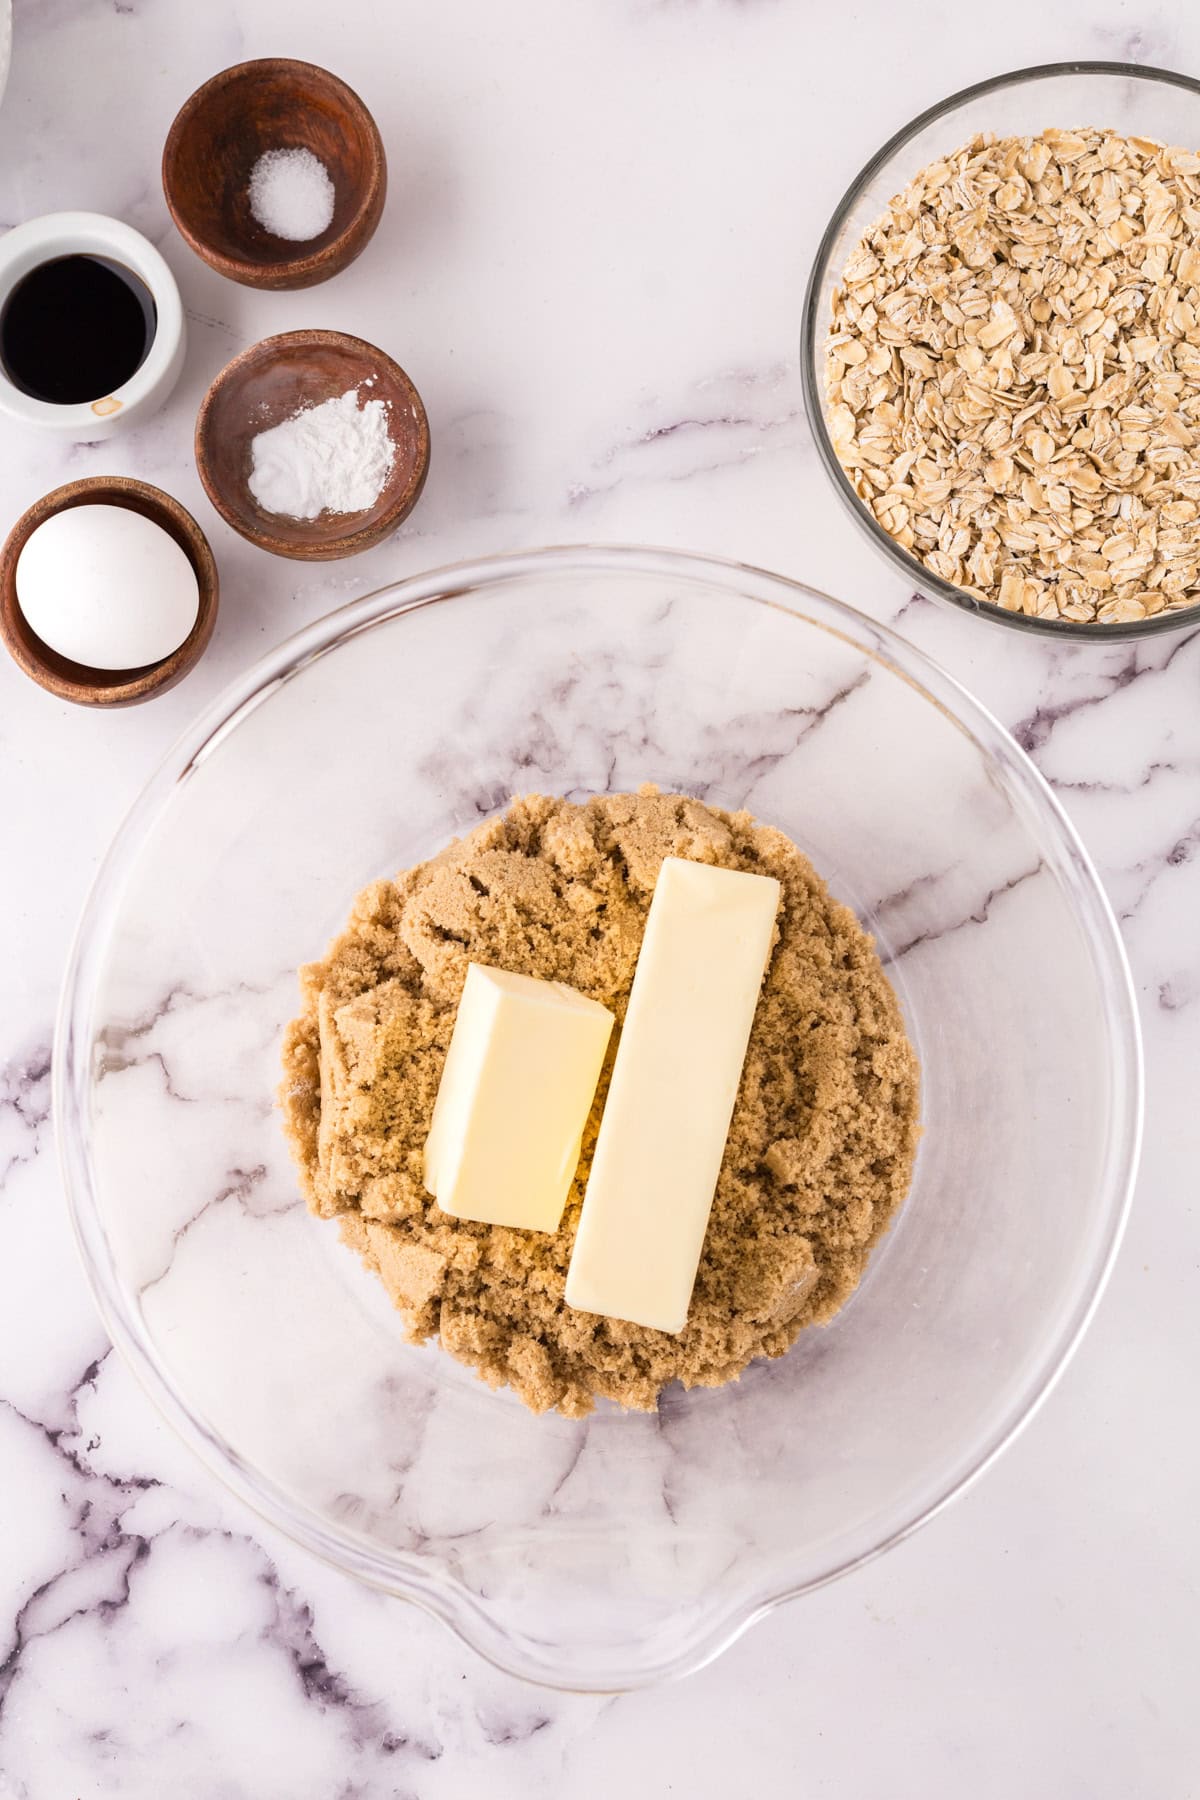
(24, 1109)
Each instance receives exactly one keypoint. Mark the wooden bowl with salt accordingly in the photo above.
(272, 382)
(244, 113)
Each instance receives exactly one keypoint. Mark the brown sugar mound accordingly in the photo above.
(820, 1151)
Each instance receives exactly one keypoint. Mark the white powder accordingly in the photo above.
(291, 194)
(335, 457)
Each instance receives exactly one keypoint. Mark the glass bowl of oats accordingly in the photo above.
(621, 1547)
(1001, 350)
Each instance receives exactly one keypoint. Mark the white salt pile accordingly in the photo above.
(291, 194)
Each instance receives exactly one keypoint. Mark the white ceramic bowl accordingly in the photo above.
(94, 234)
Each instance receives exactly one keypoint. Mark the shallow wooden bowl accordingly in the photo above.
(108, 687)
(267, 384)
(218, 136)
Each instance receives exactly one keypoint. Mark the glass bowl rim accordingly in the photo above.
(402, 1573)
(924, 581)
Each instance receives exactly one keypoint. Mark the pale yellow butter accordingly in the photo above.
(675, 1079)
(515, 1094)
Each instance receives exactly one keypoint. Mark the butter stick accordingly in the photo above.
(516, 1090)
(675, 1079)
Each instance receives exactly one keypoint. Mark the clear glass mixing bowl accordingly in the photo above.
(1124, 97)
(613, 1551)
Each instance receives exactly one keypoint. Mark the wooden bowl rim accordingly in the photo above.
(157, 677)
(364, 537)
(294, 270)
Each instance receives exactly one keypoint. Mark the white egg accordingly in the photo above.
(106, 587)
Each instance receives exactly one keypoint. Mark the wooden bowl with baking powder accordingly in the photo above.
(76, 681)
(219, 135)
(271, 382)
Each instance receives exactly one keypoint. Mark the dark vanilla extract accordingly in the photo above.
(76, 328)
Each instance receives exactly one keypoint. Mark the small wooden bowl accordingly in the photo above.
(218, 136)
(107, 687)
(269, 383)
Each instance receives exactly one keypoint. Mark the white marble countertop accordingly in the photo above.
(592, 264)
